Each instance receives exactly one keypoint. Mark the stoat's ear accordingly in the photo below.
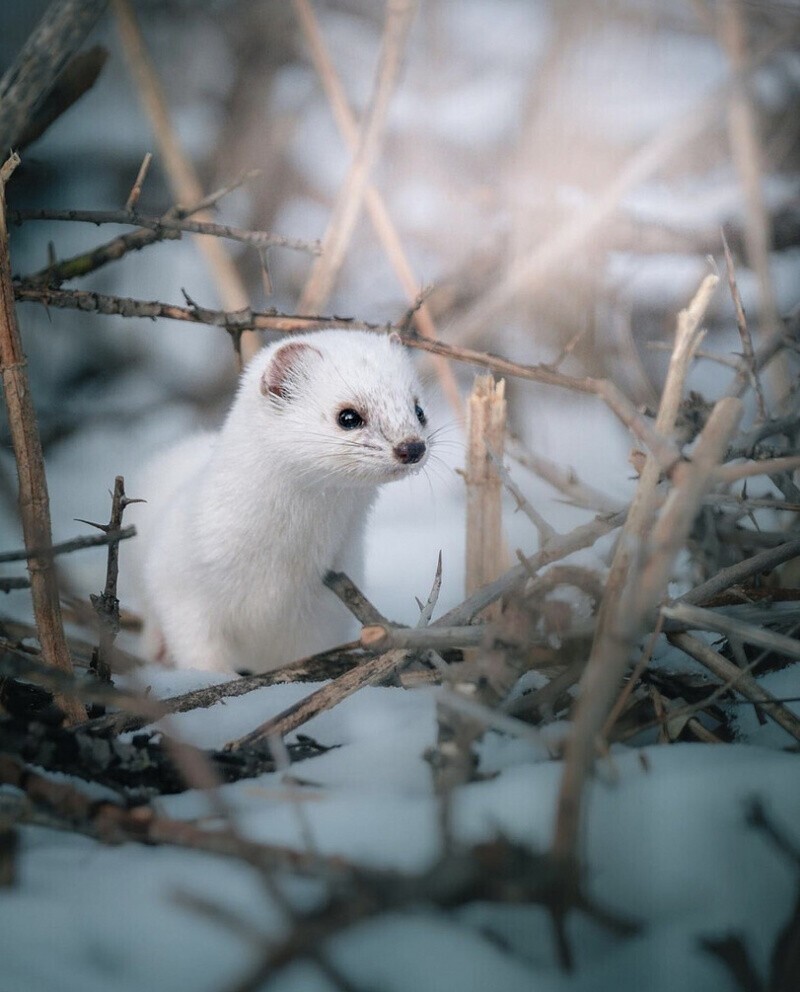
(286, 368)
(394, 338)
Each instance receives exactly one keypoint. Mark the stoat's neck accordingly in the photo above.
(255, 504)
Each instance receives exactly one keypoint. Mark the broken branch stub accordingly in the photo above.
(486, 426)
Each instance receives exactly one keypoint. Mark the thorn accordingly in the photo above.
(90, 523)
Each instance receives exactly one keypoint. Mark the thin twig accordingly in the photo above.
(181, 174)
(765, 561)
(76, 544)
(697, 618)
(578, 493)
(738, 679)
(111, 251)
(106, 605)
(352, 597)
(380, 637)
(330, 695)
(769, 466)
(375, 204)
(136, 189)
(399, 15)
(426, 609)
(546, 532)
(745, 142)
(744, 332)
(255, 239)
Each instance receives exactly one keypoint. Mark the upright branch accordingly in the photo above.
(106, 605)
(34, 505)
(629, 598)
(486, 418)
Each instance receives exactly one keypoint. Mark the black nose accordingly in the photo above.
(409, 452)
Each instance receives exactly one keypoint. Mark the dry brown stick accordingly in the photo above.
(545, 531)
(34, 505)
(625, 620)
(384, 665)
(17, 663)
(578, 492)
(352, 597)
(764, 561)
(486, 423)
(610, 651)
(374, 202)
(76, 78)
(116, 248)
(737, 679)
(636, 674)
(233, 321)
(666, 451)
(746, 145)
(32, 75)
(256, 239)
(180, 172)
(581, 537)
(106, 605)
(767, 466)
(138, 183)
(324, 699)
(698, 618)
(76, 544)
(317, 668)
(744, 331)
(382, 637)
(61, 804)
(399, 15)
(687, 340)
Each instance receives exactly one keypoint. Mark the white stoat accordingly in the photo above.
(240, 526)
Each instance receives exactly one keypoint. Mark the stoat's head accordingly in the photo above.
(343, 406)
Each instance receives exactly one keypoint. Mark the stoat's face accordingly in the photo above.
(347, 406)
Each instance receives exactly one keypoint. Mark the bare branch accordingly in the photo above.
(27, 82)
(399, 15)
(376, 207)
(76, 544)
(744, 332)
(181, 174)
(738, 679)
(34, 503)
(136, 189)
(255, 239)
(697, 618)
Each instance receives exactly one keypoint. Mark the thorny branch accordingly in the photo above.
(179, 225)
(33, 498)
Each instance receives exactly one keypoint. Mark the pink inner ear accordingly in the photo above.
(284, 368)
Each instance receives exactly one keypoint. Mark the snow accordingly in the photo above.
(667, 845)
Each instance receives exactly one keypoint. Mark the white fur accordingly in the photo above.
(241, 526)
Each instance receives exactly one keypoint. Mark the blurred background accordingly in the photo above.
(558, 174)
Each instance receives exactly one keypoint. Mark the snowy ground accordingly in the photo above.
(667, 845)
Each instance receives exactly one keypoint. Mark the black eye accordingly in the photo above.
(420, 414)
(349, 419)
